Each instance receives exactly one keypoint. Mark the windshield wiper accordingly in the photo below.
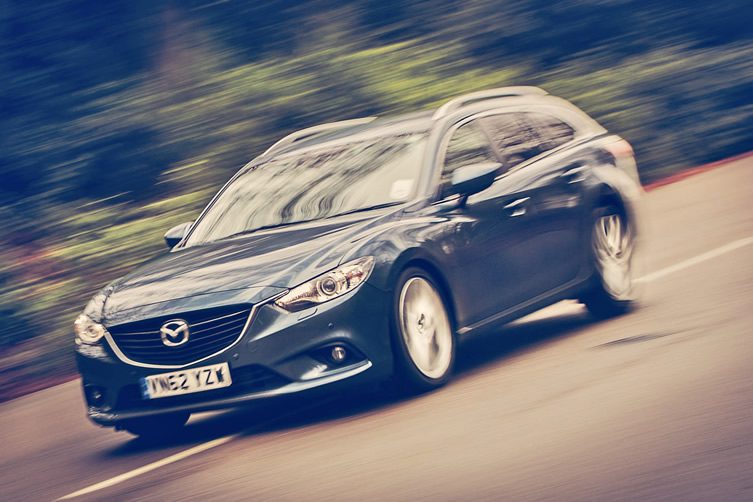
(370, 208)
(263, 227)
(288, 223)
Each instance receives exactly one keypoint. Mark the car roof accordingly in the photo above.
(353, 130)
(362, 129)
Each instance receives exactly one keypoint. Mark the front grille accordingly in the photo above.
(211, 330)
(246, 380)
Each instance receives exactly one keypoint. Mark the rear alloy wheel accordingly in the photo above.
(612, 249)
(425, 350)
(157, 426)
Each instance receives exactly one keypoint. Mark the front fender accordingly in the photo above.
(421, 241)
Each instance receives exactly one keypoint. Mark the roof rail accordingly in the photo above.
(313, 131)
(500, 92)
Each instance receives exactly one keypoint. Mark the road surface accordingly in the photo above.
(657, 404)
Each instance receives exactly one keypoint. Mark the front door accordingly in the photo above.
(491, 235)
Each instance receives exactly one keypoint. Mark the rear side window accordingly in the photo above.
(552, 132)
(514, 140)
(468, 145)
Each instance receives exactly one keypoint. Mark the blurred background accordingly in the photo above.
(120, 119)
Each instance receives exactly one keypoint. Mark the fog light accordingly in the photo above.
(338, 354)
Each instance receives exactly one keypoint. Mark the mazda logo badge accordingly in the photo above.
(174, 333)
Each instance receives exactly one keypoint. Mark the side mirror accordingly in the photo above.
(474, 178)
(176, 234)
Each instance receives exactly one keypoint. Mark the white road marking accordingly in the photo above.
(202, 447)
(150, 467)
(659, 274)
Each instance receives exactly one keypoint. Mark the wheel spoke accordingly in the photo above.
(425, 327)
(616, 234)
(612, 243)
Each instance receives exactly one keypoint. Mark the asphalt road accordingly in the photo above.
(657, 404)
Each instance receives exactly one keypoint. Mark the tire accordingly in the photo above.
(423, 334)
(157, 426)
(612, 247)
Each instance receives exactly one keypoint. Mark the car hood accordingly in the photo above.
(246, 269)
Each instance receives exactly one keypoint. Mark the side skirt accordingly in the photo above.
(566, 291)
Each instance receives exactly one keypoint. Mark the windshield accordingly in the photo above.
(316, 184)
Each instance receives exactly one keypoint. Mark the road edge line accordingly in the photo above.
(693, 171)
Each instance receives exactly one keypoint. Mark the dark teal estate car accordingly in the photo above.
(363, 250)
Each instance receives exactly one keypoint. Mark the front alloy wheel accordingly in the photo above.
(425, 350)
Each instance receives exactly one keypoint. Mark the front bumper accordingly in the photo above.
(281, 353)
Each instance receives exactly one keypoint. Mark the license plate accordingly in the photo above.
(186, 381)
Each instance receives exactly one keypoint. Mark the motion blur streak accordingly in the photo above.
(659, 274)
(120, 119)
(112, 135)
(653, 405)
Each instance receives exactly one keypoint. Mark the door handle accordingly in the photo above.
(518, 207)
(575, 173)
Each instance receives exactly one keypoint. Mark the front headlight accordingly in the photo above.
(327, 286)
(87, 331)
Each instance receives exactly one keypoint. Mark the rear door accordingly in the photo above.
(542, 190)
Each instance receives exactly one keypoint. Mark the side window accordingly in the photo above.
(552, 132)
(513, 139)
(468, 145)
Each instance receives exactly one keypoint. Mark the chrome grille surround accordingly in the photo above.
(211, 335)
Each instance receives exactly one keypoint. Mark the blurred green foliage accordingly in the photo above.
(120, 119)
